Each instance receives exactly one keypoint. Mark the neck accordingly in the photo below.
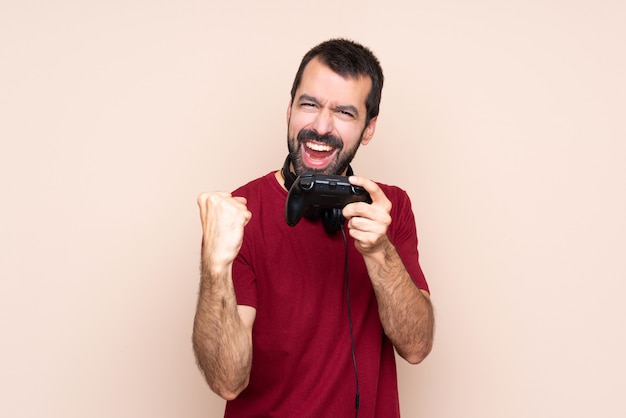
(286, 176)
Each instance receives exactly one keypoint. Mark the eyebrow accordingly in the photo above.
(344, 108)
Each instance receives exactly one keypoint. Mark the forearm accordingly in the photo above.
(405, 311)
(221, 341)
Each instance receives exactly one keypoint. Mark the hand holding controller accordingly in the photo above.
(311, 191)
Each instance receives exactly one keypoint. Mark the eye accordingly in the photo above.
(345, 114)
(308, 105)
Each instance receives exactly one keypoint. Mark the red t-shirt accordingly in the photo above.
(295, 278)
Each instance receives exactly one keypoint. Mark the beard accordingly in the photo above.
(340, 163)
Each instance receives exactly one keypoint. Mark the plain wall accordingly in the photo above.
(504, 120)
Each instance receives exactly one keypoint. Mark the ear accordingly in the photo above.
(288, 112)
(368, 133)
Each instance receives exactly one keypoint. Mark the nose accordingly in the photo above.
(323, 123)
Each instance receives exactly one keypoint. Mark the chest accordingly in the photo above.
(301, 273)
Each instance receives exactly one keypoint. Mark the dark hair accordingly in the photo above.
(348, 59)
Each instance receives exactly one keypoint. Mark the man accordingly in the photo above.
(294, 321)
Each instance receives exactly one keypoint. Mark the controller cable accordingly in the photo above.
(357, 400)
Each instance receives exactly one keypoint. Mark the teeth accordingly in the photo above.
(318, 147)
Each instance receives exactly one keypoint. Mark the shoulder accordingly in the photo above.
(401, 210)
(264, 195)
(258, 186)
(395, 194)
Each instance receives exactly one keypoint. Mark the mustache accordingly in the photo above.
(329, 139)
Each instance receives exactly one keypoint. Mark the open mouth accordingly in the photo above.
(317, 155)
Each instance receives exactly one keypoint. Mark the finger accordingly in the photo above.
(375, 192)
(206, 200)
(205, 196)
(368, 226)
(225, 203)
(202, 205)
(242, 203)
(363, 240)
(378, 213)
(356, 209)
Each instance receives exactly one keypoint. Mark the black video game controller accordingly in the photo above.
(315, 191)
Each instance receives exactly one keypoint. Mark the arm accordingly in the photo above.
(222, 331)
(405, 311)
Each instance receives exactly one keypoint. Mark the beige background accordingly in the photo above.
(503, 119)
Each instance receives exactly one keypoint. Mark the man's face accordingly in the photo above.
(326, 120)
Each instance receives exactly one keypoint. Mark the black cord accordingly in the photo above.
(357, 399)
